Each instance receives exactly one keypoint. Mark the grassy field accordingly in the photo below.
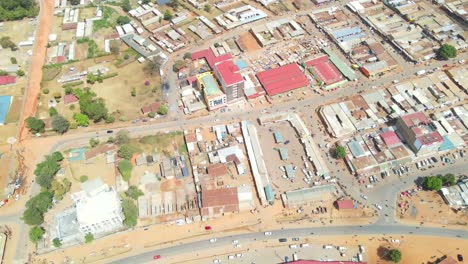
(163, 143)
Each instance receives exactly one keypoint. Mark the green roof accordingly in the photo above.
(211, 87)
(342, 67)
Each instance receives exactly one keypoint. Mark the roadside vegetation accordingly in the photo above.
(17, 9)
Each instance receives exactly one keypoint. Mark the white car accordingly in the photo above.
(237, 245)
(213, 240)
(216, 261)
(378, 206)
(268, 233)
(235, 242)
(363, 197)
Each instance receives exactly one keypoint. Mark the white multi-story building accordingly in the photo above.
(98, 208)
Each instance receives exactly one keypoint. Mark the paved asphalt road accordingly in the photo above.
(289, 233)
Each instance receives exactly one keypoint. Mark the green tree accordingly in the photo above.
(35, 234)
(133, 192)
(45, 171)
(95, 110)
(93, 142)
(35, 125)
(394, 255)
(146, 2)
(53, 111)
(447, 51)
(60, 124)
(60, 188)
(133, 92)
(449, 179)
(32, 216)
(125, 167)
(6, 42)
(178, 64)
(83, 178)
(432, 183)
(122, 20)
(57, 243)
(89, 238)
(20, 73)
(57, 156)
(13, 60)
(125, 4)
(167, 15)
(131, 213)
(162, 110)
(74, 2)
(340, 152)
(81, 119)
(126, 151)
(207, 8)
(45, 91)
(41, 201)
(122, 137)
(187, 55)
(3, 73)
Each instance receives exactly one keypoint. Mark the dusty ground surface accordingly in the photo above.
(249, 42)
(35, 74)
(415, 250)
(429, 208)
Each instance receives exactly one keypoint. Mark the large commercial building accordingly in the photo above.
(98, 208)
(231, 80)
(282, 79)
(214, 97)
(419, 134)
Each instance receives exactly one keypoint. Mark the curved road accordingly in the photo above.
(299, 232)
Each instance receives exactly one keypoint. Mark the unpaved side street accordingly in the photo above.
(46, 16)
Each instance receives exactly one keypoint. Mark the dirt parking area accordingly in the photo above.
(248, 42)
(428, 207)
(295, 152)
(94, 168)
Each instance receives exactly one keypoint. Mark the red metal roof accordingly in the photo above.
(229, 72)
(217, 170)
(70, 98)
(7, 80)
(226, 197)
(209, 56)
(414, 119)
(282, 79)
(325, 70)
(153, 107)
(345, 204)
(390, 138)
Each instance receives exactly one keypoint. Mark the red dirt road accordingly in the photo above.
(46, 16)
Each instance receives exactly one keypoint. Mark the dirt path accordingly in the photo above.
(46, 17)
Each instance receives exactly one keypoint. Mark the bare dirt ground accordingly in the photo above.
(249, 42)
(35, 75)
(429, 208)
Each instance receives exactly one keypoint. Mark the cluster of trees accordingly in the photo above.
(133, 192)
(178, 64)
(130, 212)
(94, 108)
(153, 66)
(6, 43)
(447, 51)
(17, 9)
(59, 123)
(435, 183)
(394, 255)
(52, 189)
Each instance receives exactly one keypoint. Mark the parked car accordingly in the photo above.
(156, 256)
(268, 233)
(208, 228)
(213, 240)
(295, 239)
(282, 240)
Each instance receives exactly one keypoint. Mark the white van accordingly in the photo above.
(362, 249)
(327, 247)
(292, 246)
(304, 245)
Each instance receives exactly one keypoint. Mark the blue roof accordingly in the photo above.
(446, 145)
(284, 153)
(5, 102)
(270, 195)
(347, 34)
(241, 64)
(355, 148)
(162, 2)
(278, 137)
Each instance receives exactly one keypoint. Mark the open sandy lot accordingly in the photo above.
(428, 207)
